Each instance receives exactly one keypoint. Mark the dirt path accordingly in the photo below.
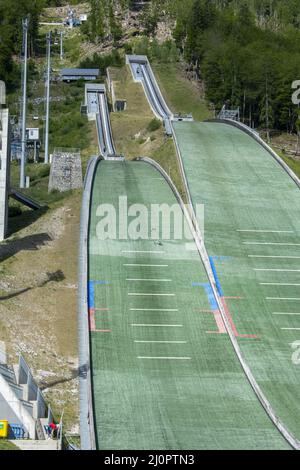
(38, 295)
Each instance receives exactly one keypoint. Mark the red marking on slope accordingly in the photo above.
(92, 322)
(219, 322)
(231, 322)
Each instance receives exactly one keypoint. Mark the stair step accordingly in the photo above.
(8, 373)
(48, 444)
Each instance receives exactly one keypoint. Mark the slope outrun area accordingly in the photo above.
(160, 380)
(252, 228)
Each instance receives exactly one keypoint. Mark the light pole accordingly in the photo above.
(49, 39)
(61, 46)
(24, 108)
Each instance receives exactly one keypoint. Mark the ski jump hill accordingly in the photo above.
(190, 348)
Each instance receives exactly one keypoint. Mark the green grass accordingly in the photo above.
(20, 215)
(138, 120)
(39, 177)
(181, 95)
(292, 163)
(6, 445)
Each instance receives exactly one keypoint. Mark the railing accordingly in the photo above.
(16, 431)
(65, 150)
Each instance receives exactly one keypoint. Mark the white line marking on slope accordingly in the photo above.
(148, 265)
(166, 358)
(277, 284)
(290, 329)
(271, 243)
(271, 256)
(282, 298)
(154, 309)
(149, 280)
(285, 313)
(160, 325)
(143, 251)
(151, 295)
(162, 342)
(278, 270)
(267, 231)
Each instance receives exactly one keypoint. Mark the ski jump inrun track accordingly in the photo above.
(191, 349)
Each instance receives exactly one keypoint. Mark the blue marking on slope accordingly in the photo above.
(209, 292)
(91, 294)
(218, 284)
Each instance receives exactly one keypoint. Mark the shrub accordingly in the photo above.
(154, 125)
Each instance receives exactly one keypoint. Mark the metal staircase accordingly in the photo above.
(22, 403)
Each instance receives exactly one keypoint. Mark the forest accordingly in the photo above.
(246, 52)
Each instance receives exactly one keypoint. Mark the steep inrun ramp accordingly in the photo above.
(252, 228)
(142, 73)
(162, 378)
(97, 108)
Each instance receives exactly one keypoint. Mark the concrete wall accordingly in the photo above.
(66, 171)
(20, 412)
(3, 357)
(6, 412)
(4, 170)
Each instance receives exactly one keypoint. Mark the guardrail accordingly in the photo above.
(87, 426)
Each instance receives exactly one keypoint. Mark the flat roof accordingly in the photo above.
(80, 72)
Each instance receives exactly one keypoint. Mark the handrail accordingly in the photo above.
(87, 427)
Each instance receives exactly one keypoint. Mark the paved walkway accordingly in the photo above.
(48, 444)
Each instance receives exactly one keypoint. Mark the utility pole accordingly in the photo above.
(49, 39)
(24, 108)
(61, 46)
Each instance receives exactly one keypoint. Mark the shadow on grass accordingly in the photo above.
(29, 243)
(28, 217)
(75, 373)
(46, 385)
(57, 276)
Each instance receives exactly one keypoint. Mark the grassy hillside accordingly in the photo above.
(182, 95)
(38, 287)
(6, 445)
(132, 128)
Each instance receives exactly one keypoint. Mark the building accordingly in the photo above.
(22, 406)
(70, 75)
(4, 161)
